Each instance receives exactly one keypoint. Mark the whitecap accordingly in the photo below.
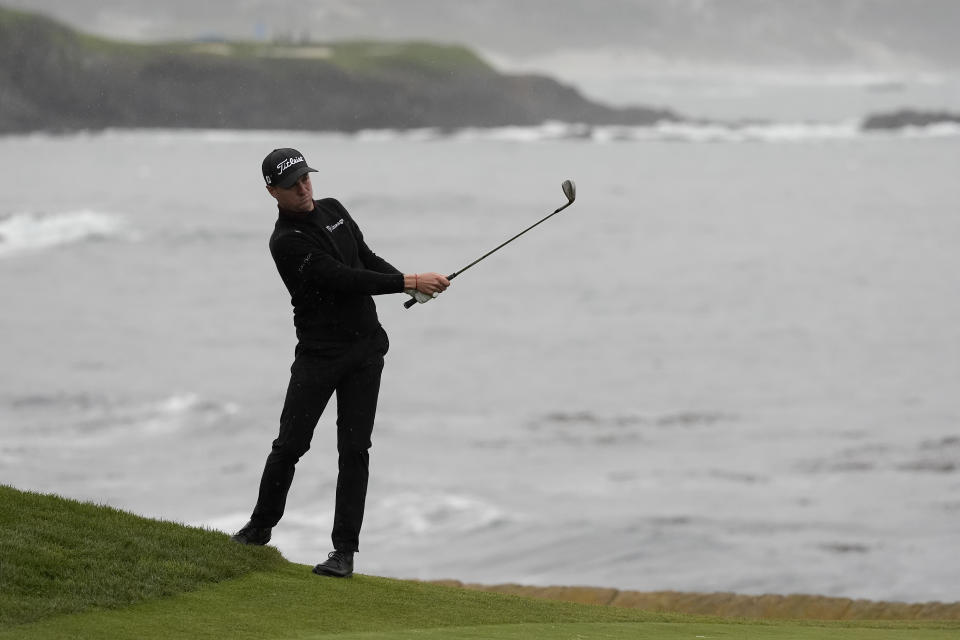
(180, 411)
(732, 133)
(437, 512)
(424, 134)
(93, 415)
(224, 522)
(667, 131)
(25, 232)
(549, 130)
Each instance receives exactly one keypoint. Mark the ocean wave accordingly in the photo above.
(26, 232)
(745, 131)
(757, 132)
(588, 428)
(92, 415)
(413, 513)
(404, 515)
(689, 132)
(938, 456)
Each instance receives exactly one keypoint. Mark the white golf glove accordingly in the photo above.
(421, 297)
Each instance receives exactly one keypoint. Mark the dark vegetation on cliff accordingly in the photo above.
(56, 79)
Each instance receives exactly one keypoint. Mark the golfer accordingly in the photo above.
(331, 275)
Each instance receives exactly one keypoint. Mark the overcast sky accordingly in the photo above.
(874, 33)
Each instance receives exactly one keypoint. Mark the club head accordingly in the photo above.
(569, 190)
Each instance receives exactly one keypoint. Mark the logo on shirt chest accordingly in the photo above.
(332, 227)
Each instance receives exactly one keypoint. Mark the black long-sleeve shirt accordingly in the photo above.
(331, 274)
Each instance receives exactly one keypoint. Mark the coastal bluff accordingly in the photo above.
(57, 79)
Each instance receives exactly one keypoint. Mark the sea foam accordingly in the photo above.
(667, 131)
(99, 415)
(26, 232)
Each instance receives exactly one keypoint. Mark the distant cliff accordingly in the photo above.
(55, 79)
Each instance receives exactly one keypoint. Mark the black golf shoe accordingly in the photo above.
(339, 564)
(250, 534)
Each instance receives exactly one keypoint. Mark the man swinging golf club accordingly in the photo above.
(331, 275)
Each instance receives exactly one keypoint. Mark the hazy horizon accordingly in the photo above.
(878, 34)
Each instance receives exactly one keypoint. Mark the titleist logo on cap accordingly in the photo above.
(289, 162)
(282, 167)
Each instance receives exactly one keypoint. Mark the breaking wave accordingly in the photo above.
(587, 428)
(413, 513)
(690, 132)
(25, 232)
(92, 415)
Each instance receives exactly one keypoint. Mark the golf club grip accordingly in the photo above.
(412, 301)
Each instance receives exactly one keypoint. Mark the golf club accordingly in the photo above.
(569, 190)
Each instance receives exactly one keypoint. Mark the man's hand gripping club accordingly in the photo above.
(424, 287)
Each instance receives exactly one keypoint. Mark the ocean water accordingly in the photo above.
(731, 365)
(730, 91)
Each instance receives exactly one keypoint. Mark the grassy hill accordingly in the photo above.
(55, 78)
(59, 556)
(77, 570)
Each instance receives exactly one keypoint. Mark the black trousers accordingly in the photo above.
(353, 371)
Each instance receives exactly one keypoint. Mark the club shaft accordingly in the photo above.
(412, 301)
(502, 245)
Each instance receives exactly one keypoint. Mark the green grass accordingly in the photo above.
(356, 56)
(364, 56)
(75, 570)
(353, 56)
(60, 556)
(361, 57)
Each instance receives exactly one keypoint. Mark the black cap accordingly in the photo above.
(282, 167)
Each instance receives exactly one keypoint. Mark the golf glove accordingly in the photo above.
(421, 297)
